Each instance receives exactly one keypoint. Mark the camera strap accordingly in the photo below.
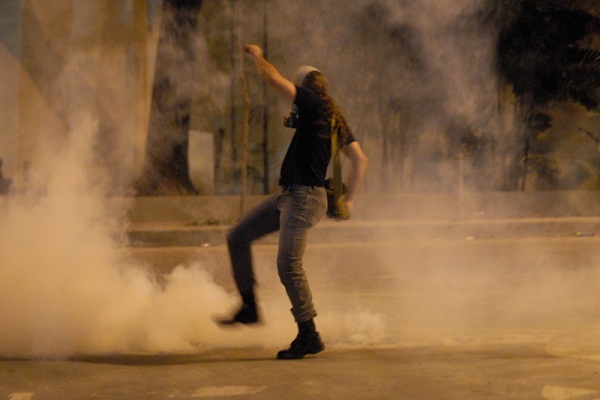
(336, 161)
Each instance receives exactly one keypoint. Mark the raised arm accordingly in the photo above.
(270, 74)
(359, 163)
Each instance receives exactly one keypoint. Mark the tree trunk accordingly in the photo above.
(239, 74)
(526, 112)
(166, 169)
(265, 99)
(525, 164)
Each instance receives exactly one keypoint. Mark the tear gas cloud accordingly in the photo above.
(70, 286)
(67, 286)
(405, 73)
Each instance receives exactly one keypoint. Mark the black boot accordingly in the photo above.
(247, 313)
(308, 341)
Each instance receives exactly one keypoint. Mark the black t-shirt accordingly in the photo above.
(308, 155)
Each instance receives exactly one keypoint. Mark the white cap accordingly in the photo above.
(301, 73)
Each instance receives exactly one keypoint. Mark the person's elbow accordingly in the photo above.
(357, 156)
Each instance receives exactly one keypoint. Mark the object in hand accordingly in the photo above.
(291, 121)
(336, 208)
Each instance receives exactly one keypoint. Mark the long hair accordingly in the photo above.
(316, 82)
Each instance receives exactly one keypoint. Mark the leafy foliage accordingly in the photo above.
(545, 53)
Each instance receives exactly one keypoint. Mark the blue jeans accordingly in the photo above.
(293, 212)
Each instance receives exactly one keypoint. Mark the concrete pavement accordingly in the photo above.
(515, 371)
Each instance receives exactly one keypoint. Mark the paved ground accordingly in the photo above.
(466, 318)
(523, 371)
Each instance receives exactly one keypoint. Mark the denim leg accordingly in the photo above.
(301, 208)
(260, 221)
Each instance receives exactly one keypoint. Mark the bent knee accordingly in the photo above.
(235, 238)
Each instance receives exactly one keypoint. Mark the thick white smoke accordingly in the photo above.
(69, 285)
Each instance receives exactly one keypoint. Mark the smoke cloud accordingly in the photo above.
(67, 285)
(70, 285)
